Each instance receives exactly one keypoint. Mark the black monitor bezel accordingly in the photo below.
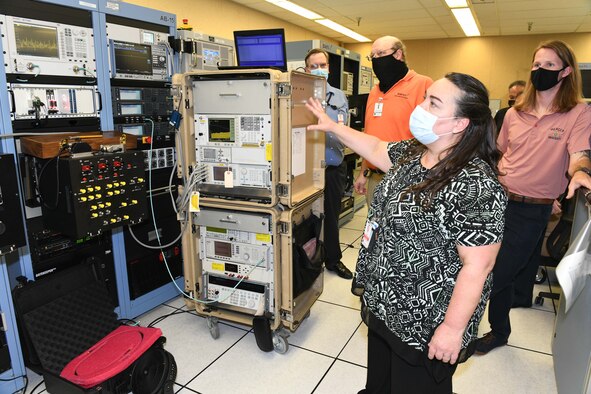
(262, 32)
(119, 70)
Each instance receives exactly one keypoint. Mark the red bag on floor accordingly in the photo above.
(110, 356)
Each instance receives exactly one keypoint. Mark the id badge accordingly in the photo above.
(377, 109)
(369, 234)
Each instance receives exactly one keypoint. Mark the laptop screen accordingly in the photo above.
(261, 48)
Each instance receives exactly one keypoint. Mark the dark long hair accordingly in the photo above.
(570, 92)
(478, 140)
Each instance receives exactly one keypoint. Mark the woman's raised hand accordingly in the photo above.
(324, 121)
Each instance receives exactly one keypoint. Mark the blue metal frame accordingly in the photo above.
(131, 11)
(6, 306)
(24, 265)
(12, 339)
(129, 308)
(89, 5)
(7, 145)
(144, 14)
(20, 264)
(99, 9)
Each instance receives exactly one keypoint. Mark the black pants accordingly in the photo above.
(388, 373)
(525, 225)
(523, 288)
(334, 186)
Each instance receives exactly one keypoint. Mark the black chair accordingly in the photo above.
(557, 244)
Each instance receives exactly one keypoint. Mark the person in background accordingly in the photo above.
(389, 104)
(515, 90)
(433, 231)
(335, 177)
(545, 141)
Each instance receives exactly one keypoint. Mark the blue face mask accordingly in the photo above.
(421, 125)
(322, 72)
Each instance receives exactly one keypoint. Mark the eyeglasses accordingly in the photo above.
(381, 53)
(317, 66)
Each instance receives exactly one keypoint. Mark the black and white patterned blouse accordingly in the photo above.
(411, 270)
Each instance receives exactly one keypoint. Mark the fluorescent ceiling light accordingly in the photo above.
(296, 9)
(466, 20)
(342, 29)
(456, 3)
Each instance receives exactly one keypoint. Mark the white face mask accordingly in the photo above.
(421, 125)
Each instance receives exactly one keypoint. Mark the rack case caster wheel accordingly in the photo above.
(214, 327)
(541, 276)
(280, 344)
(539, 300)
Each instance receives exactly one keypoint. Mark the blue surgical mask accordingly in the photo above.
(421, 125)
(322, 72)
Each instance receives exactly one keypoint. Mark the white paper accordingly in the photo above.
(298, 151)
(575, 266)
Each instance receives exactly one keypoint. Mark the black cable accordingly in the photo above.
(160, 318)
(180, 102)
(11, 379)
(124, 321)
(38, 188)
(24, 389)
(36, 387)
(26, 80)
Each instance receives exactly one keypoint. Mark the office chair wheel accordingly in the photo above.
(541, 276)
(539, 300)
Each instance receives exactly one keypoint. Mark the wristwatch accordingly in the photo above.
(585, 170)
(367, 173)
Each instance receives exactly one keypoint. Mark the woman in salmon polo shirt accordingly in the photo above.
(545, 141)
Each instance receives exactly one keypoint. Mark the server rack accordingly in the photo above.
(125, 14)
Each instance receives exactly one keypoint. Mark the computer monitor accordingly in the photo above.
(261, 48)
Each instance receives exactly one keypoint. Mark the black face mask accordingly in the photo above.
(544, 79)
(511, 102)
(389, 70)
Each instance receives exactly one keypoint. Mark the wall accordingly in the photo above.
(221, 17)
(496, 61)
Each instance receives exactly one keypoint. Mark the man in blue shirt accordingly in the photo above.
(337, 108)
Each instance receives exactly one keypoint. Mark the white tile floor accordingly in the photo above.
(327, 353)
